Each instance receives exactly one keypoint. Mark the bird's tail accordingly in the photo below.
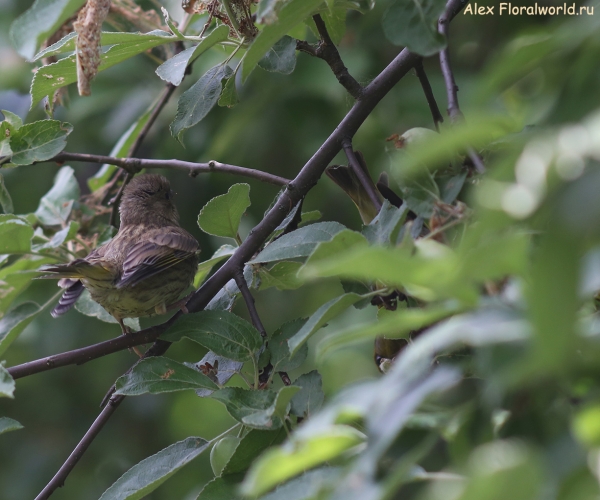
(73, 289)
(77, 269)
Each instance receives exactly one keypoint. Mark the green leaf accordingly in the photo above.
(414, 25)
(229, 96)
(342, 241)
(159, 374)
(195, 103)
(384, 228)
(15, 121)
(7, 384)
(89, 307)
(281, 57)
(311, 216)
(53, 76)
(221, 216)
(290, 459)
(280, 352)
(335, 22)
(17, 277)
(320, 317)
(269, 417)
(8, 424)
(221, 488)
(222, 332)
(39, 22)
(15, 235)
(291, 14)
(221, 452)
(257, 409)
(204, 268)
(39, 141)
(173, 69)
(62, 236)
(310, 397)
(151, 472)
(15, 321)
(298, 243)
(250, 447)
(392, 325)
(220, 370)
(5, 200)
(282, 276)
(55, 206)
(307, 486)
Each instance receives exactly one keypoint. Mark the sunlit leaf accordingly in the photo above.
(39, 141)
(55, 206)
(221, 216)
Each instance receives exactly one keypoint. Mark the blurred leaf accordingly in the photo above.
(311, 216)
(53, 76)
(220, 488)
(335, 22)
(281, 57)
(15, 321)
(205, 267)
(225, 369)
(229, 96)
(39, 22)
(5, 200)
(39, 141)
(310, 398)
(450, 186)
(15, 235)
(320, 317)
(393, 325)
(298, 243)
(282, 276)
(278, 346)
(414, 25)
(173, 70)
(305, 487)
(17, 277)
(151, 472)
(89, 307)
(250, 447)
(7, 384)
(159, 374)
(256, 409)
(277, 411)
(195, 103)
(281, 463)
(64, 235)
(221, 216)
(384, 228)
(55, 206)
(292, 12)
(342, 241)
(586, 426)
(221, 452)
(8, 424)
(222, 332)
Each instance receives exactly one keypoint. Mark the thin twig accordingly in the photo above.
(134, 165)
(59, 478)
(428, 91)
(327, 51)
(240, 281)
(294, 192)
(367, 183)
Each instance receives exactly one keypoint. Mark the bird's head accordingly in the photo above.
(148, 199)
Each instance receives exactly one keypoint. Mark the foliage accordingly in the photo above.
(479, 290)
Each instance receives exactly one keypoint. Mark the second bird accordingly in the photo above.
(145, 268)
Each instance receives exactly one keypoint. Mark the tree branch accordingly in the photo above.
(327, 51)
(249, 300)
(428, 91)
(294, 192)
(134, 165)
(59, 478)
(454, 111)
(361, 173)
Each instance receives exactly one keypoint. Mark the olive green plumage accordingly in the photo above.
(145, 268)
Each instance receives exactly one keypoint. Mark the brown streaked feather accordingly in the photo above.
(73, 290)
(77, 269)
(161, 249)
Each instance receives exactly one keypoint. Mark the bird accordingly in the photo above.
(145, 268)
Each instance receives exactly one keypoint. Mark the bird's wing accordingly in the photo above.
(73, 289)
(161, 248)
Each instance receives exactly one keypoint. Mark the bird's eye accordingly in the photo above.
(168, 195)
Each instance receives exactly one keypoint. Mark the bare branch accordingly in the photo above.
(59, 478)
(428, 91)
(134, 165)
(249, 300)
(327, 51)
(361, 173)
